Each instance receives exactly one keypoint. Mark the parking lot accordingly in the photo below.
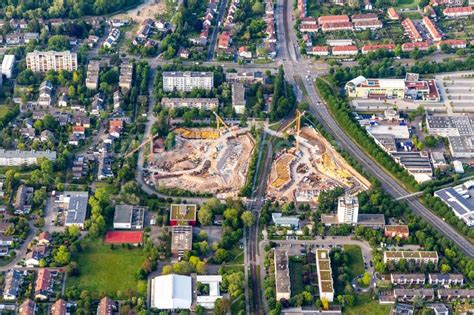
(458, 91)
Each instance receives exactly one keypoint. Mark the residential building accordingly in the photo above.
(411, 30)
(419, 257)
(285, 221)
(460, 200)
(348, 209)
(407, 278)
(245, 77)
(75, 205)
(413, 294)
(45, 94)
(432, 29)
(43, 61)
(438, 308)
(115, 127)
(106, 306)
(181, 239)
(446, 279)
(282, 274)
(238, 98)
(199, 103)
(364, 17)
(187, 81)
(371, 48)
(339, 42)
(224, 40)
(126, 75)
(345, 50)
(129, 217)
(452, 43)
(33, 258)
(42, 284)
(422, 46)
(368, 25)
(17, 157)
(7, 65)
(400, 231)
(183, 214)
(59, 307)
(92, 78)
(325, 282)
(171, 292)
(403, 309)
(11, 286)
(337, 26)
(28, 307)
(456, 294)
(458, 12)
(44, 238)
(22, 204)
(319, 51)
(332, 19)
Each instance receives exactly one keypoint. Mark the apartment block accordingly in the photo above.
(187, 81)
(92, 79)
(43, 61)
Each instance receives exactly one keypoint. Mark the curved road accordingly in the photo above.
(321, 112)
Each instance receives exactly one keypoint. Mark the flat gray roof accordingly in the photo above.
(123, 214)
(77, 206)
(10, 154)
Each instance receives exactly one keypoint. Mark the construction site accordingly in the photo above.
(204, 160)
(301, 172)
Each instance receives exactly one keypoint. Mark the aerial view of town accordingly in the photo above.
(234, 157)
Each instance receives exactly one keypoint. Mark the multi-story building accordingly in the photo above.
(187, 81)
(374, 47)
(7, 65)
(200, 103)
(43, 61)
(74, 203)
(407, 278)
(183, 214)
(250, 77)
(446, 279)
(350, 50)
(282, 275)
(17, 157)
(411, 30)
(457, 12)
(238, 98)
(126, 75)
(92, 79)
(396, 231)
(181, 239)
(431, 27)
(459, 200)
(419, 257)
(325, 282)
(347, 209)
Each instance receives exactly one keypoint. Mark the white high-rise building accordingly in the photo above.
(347, 209)
(43, 61)
(7, 65)
(187, 81)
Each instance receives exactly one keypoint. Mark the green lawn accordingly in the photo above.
(356, 264)
(3, 110)
(365, 305)
(103, 270)
(296, 277)
(407, 4)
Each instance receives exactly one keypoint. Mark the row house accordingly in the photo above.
(368, 25)
(446, 279)
(337, 26)
(412, 294)
(371, 48)
(452, 43)
(456, 294)
(431, 27)
(458, 12)
(350, 50)
(333, 19)
(393, 14)
(407, 278)
(407, 47)
(364, 17)
(319, 51)
(411, 31)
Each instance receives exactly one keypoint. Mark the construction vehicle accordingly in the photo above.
(150, 155)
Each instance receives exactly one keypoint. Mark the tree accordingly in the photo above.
(205, 215)
(62, 256)
(221, 306)
(170, 141)
(235, 283)
(431, 141)
(58, 42)
(248, 218)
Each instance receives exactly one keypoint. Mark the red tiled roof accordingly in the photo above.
(374, 47)
(43, 280)
(350, 48)
(410, 28)
(393, 14)
(364, 17)
(432, 29)
(337, 25)
(458, 11)
(332, 19)
(411, 46)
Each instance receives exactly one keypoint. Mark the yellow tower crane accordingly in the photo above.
(297, 120)
(220, 121)
(150, 155)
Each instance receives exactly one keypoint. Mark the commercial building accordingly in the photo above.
(238, 98)
(419, 257)
(410, 88)
(460, 199)
(199, 103)
(7, 65)
(250, 77)
(183, 214)
(347, 209)
(181, 239)
(450, 126)
(187, 81)
(17, 157)
(407, 278)
(418, 164)
(462, 146)
(400, 231)
(446, 279)
(43, 61)
(126, 75)
(92, 78)
(286, 221)
(371, 220)
(325, 282)
(75, 205)
(129, 217)
(282, 274)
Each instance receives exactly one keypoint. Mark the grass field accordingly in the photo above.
(296, 277)
(407, 4)
(103, 270)
(356, 264)
(365, 305)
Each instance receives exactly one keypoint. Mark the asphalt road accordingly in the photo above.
(390, 185)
